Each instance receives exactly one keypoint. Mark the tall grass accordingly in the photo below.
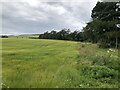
(54, 63)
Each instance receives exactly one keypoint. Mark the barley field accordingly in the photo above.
(38, 63)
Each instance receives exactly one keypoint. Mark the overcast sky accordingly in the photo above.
(36, 16)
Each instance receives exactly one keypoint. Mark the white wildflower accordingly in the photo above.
(80, 85)
(87, 43)
(112, 50)
(108, 51)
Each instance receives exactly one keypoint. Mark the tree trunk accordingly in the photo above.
(116, 42)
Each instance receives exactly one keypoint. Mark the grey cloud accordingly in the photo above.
(22, 17)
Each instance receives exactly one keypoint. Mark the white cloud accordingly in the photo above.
(34, 3)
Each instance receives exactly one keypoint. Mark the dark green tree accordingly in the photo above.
(105, 17)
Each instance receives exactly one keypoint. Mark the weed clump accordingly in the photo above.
(99, 73)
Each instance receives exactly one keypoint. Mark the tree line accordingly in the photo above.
(4, 36)
(104, 28)
(64, 34)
